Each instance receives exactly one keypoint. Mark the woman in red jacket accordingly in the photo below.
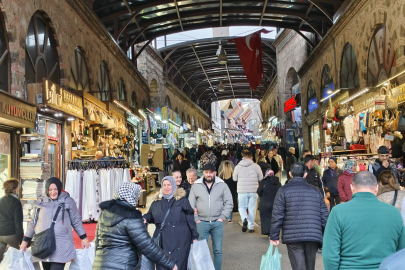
(345, 180)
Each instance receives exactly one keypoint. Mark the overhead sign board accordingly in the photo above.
(292, 103)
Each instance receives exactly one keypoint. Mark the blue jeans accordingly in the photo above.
(248, 201)
(230, 216)
(216, 230)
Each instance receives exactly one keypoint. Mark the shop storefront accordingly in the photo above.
(16, 115)
(293, 136)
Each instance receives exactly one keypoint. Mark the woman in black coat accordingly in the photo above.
(180, 229)
(226, 175)
(272, 161)
(11, 218)
(267, 191)
(181, 165)
(121, 234)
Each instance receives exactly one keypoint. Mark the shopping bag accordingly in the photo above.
(15, 259)
(199, 257)
(271, 261)
(84, 259)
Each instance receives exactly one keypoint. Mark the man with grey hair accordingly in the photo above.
(191, 178)
(362, 232)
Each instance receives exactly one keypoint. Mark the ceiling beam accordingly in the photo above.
(190, 77)
(178, 69)
(127, 5)
(119, 32)
(220, 13)
(170, 53)
(175, 62)
(141, 50)
(202, 67)
(305, 37)
(321, 8)
(178, 14)
(264, 10)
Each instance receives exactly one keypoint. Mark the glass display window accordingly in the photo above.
(315, 139)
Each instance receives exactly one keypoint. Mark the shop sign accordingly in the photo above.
(292, 103)
(16, 113)
(59, 98)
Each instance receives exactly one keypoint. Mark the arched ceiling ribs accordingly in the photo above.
(321, 8)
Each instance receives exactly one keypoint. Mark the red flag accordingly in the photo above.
(250, 54)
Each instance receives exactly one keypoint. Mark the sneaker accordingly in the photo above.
(230, 222)
(244, 227)
(252, 231)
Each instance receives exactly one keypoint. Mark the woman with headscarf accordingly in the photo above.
(346, 179)
(68, 216)
(121, 234)
(180, 229)
(267, 191)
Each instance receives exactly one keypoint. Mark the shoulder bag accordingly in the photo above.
(390, 101)
(44, 243)
(395, 197)
(331, 112)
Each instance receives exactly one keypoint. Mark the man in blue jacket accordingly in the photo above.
(300, 211)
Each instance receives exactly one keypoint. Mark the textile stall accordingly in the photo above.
(91, 182)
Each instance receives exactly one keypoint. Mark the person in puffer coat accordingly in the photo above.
(300, 211)
(121, 236)
(45, 209)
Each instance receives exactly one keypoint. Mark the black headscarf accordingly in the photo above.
(56, 181)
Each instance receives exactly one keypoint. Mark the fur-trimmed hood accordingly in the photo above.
(178, 194)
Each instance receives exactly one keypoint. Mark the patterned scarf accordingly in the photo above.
(347, 167)
(129, 192)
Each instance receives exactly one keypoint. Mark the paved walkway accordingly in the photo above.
(243, 251)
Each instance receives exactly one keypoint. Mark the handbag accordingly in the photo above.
(394, 122)
(331, 112)
(390, 101)
(379, 101)
(44, 243)
(145, 263)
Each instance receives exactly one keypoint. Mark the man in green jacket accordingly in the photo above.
(359, 234)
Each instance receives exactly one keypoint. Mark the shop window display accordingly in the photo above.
(41, 59)
(381, 63)
(315, 139)
(349, 73)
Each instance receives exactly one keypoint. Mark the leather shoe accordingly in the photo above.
(251, 231)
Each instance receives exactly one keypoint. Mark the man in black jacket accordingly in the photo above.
(300, 211)
(290, 160)
(383, 164)
(312, 176)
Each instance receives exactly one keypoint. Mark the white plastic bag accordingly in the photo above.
(200, 257)
(15, 259)
(84, 259)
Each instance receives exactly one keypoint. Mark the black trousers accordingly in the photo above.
(334, 200)
(53, 266)
(302, 255)
(8, 240)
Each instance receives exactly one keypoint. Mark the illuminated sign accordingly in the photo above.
(292, 103)
(59, 98)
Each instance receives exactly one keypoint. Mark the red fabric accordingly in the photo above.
(90, 229)
(250, 54)
(357, 146)
(334, 115)
(344, 182)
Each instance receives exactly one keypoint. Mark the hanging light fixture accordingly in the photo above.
(230, 106)
(222, 58)
(329, 91)
(221, 87)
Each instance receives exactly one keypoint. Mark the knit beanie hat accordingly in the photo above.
(334, 159)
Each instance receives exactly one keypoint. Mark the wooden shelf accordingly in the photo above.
(345, 151)
(24, 157)
(371, 154)
(32, 135)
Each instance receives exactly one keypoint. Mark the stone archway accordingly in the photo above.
(292, 87)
